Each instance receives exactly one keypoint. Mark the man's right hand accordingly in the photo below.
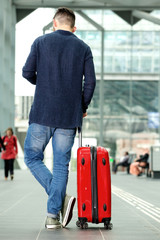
(84, 114)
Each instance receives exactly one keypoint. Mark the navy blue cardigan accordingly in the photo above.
(57, 63)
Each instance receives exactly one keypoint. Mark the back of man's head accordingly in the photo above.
(65, 16)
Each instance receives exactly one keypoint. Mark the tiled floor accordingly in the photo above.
(135, 210)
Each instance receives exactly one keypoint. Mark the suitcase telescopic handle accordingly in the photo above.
(80, 138)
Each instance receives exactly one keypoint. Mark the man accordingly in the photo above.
(123, 162)
(57, 64)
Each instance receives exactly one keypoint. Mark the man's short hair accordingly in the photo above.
(65, 16)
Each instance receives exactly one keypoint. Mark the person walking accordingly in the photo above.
(57, 64)
(9, 153)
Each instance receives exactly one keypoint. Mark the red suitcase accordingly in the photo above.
(93, 187)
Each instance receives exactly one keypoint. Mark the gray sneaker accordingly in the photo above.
(67, 210)
(52, 223)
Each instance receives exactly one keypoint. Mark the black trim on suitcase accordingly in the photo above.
(82, 219)
(94, 185)
(106, 220)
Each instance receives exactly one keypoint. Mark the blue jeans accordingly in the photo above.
(54, 184)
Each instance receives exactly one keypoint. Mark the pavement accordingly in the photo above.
(135, 210)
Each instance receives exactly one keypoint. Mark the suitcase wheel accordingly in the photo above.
(78, 223)
(82, 225)
(108, 226)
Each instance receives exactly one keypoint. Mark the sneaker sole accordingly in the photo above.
(69, 212)
(53, 226)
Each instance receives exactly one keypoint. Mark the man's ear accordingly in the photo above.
(54, 23)
(74, 29)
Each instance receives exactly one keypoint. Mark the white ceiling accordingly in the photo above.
(90, 4)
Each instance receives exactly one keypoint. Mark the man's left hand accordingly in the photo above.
(84, 114)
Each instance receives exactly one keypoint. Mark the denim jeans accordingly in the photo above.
(54, 183)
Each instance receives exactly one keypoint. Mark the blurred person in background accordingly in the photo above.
(138, 164)
(10, 153)
(123, 162)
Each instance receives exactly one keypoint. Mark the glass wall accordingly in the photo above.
(131, 83)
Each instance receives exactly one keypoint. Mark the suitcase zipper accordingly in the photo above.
(94, 184)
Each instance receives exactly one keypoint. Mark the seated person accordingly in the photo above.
(123, 162)
(135, 168)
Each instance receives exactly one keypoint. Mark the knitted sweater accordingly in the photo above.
(61, 66)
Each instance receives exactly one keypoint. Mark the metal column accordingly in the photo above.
(146, 16)
(131, 88)
(101, 91)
